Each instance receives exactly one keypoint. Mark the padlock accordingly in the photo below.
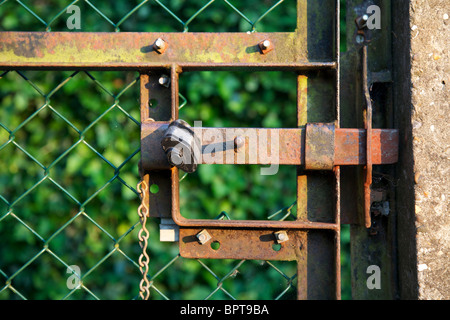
(182, 146)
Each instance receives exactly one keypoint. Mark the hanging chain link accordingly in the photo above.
(144, 286)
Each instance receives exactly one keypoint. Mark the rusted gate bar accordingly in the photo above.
(134, 50)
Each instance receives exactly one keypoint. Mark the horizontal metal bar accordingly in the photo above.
(269, 146)
(135, 50)
(254, 224)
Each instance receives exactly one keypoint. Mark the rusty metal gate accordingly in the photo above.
(338, 140)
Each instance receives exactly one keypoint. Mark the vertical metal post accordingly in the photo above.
(319, 270)
(368, 249)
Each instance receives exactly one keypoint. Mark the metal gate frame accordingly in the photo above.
(312, 51)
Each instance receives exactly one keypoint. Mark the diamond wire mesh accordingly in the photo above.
(45, 243)
(231, 6)
(12, 204)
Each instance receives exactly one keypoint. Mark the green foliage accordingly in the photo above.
(69, 157)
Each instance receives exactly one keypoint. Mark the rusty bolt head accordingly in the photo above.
(265, 46)
(164, 81)
(160, 45)
(203, 236)
(281, 236)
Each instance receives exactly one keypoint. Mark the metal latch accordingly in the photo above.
(317, 146)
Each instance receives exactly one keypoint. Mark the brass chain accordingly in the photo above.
(144, 286)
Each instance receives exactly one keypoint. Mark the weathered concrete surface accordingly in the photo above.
(423, 109)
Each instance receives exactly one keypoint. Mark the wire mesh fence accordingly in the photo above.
(151, 15)
(44, 187)
(69, 150)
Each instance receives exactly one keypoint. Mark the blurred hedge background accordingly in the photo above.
(69, 149)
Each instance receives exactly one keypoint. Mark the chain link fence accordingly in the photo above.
(149, 15)
(69, 150)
